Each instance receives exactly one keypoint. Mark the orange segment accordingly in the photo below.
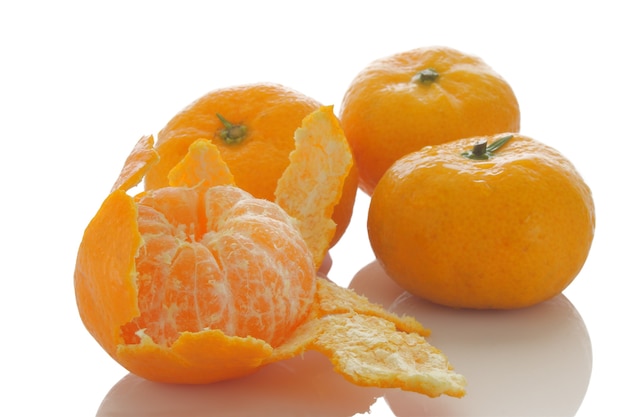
(312, 184)
(217, 258)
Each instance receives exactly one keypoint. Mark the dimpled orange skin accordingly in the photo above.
(387, 113)
(504, 233)
(270, 113)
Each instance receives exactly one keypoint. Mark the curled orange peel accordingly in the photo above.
(310, 187)
(141, 158)
(366, 344)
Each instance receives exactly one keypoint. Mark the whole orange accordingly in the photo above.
(253, 127)
(426, 96)
(468, 225)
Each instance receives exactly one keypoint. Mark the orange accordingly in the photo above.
(425, 96)
(468, 225)
(252, 125)
(198, 281)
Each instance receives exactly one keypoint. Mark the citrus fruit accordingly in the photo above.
(252, 125)
(495, 222)
(199, 281)
(425, 96)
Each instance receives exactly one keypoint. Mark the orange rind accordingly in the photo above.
(198, 166)
(198, 281)
(308, 188)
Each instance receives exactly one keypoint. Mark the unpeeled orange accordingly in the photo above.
(253, 127)
(495, 222)
(425, 96)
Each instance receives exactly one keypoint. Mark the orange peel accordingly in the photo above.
(368, 345)
(318, 167)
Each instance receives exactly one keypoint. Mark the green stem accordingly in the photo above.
(426, 77)
(482, 152)
(231, 133)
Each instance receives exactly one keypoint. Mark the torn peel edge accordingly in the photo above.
(108, 297)
(333, 299)
(371, 347)
(188, 361)
(320, 147)
(373, 353)
(138, 162)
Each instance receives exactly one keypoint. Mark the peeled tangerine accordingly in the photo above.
(199, 281)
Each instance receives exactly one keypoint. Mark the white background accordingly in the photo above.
(81, 82)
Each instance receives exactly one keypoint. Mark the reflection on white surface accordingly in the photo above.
(304, 385)
(530, 362)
